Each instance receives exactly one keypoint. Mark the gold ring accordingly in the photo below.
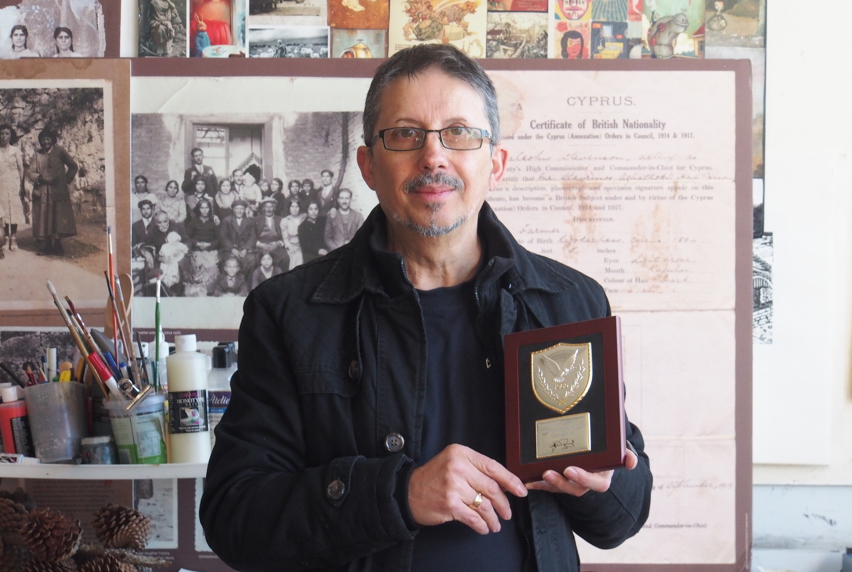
(476, 501)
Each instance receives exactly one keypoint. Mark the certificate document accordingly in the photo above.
(631, 177)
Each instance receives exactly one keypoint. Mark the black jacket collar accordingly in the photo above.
(364, 264)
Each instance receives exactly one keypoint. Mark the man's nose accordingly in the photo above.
(433, 153)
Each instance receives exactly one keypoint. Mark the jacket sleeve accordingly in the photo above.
(607, 519)
(265, 507)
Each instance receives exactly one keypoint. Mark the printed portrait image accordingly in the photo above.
(52, 29)
(53, 193)
(162, 28)
(571, 40)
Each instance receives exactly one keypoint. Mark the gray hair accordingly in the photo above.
(415, 60)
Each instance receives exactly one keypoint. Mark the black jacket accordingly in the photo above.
(306, 473)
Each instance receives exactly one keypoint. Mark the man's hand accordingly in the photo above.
(576, 481)
(445, 488)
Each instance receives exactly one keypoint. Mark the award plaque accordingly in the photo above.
(564, 398)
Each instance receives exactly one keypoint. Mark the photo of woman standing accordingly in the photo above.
(52, 171)
(13, 198)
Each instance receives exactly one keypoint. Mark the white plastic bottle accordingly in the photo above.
(219, 384)
(189, 424)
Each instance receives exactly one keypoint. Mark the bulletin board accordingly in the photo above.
(637, 174)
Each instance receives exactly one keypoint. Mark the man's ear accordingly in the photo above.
(365, 163)
(499, 159)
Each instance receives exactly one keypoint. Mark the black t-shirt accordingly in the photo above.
(464, 404)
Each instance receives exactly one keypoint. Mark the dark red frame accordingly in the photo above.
(614, 452)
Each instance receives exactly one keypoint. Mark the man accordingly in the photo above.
(164, 226)
(342, 222)
(142, 231)
(51, 171)
(237, 181)
(141, 193)
(351, 443)
(269, 236)
(238, 237)
(326, 194)
(197, 171)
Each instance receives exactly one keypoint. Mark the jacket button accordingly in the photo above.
(394, 442)
(335, 490)
(354, 369)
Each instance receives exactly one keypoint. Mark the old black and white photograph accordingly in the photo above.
(53, 191)
(287, 13)
(162, 28)
(221, 203)
(289, 42)
(52, 29)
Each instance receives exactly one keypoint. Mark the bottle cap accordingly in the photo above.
(9, 394)
(223, 357)
(185, 343)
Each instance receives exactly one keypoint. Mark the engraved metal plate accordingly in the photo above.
(563, 436)
(561, 375)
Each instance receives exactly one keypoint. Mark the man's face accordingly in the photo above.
(431, 100)
(141, 185)
(239, 211)
(198, 157)
(200, 186)
(146, 211)
(46, 142)
(162, 222)
(268, 209)
(326, 178)
(344, 200)
(238, 177)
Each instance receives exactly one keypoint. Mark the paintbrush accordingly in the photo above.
(126, 339)
(87, 336)
(79, 342)
(158, 332)
(111, 287)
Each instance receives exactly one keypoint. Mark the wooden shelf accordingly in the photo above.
(104, 472)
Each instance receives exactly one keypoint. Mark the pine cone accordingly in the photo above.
(122, 527)
(106, 563)
(20, 496)
(12, 515)
(36, 566)
(50, 535)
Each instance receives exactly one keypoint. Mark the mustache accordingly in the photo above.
(426, 179)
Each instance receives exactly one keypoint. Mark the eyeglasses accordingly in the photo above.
(413, 138)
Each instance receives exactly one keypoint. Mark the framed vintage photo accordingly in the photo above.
(564, 398)
(67, 116)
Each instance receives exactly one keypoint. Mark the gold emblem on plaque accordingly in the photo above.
(561, 375)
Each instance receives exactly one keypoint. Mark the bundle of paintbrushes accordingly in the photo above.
(107, 358)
